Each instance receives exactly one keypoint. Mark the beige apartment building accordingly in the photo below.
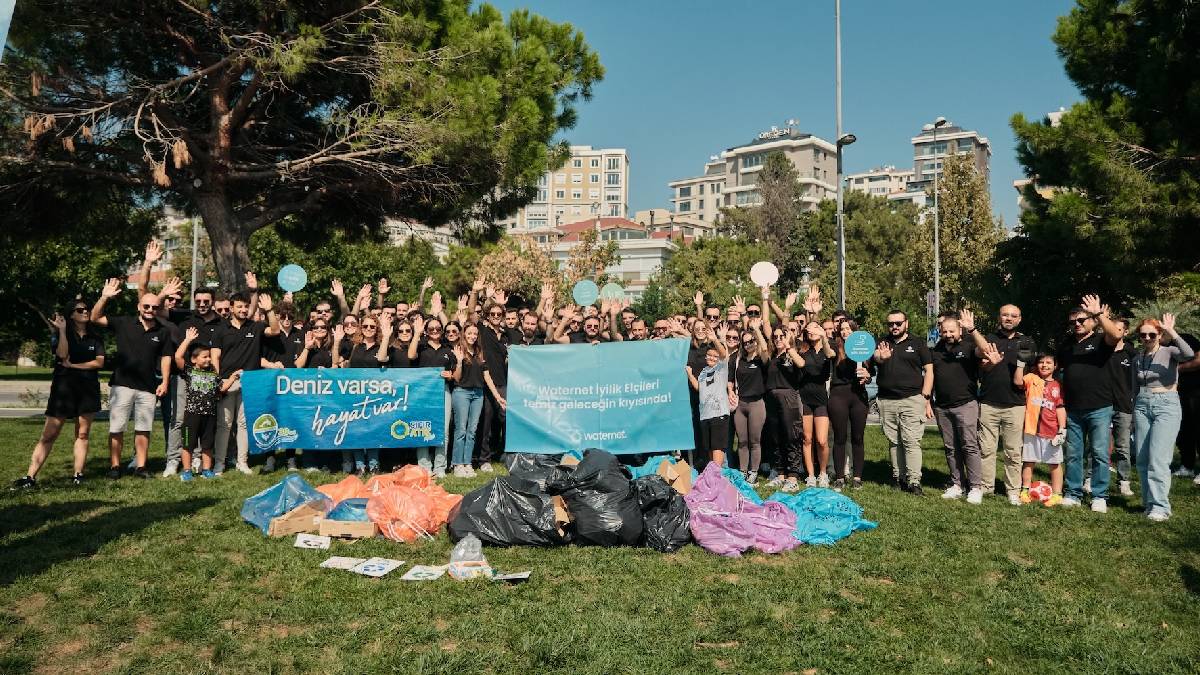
(731, 179)
(880, 181)
(594, 181)
(929, 153)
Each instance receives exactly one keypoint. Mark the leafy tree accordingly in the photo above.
(654, 303)
(1124, 164)
(330, 113)
(718, 266)
(518, 265)
(969, 233)
(181, 260)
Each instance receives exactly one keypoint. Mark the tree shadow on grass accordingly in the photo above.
(16, 519)
(68, 541)
(1191, 578)
(880, 471)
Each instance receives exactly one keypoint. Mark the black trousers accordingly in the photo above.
(1189, 428)
(789, 425)
(848, 417)
(490, 435)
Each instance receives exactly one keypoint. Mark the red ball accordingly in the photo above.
(1040, 491)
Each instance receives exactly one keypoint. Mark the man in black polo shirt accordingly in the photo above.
(237, 347)
(143, 351)
(206, 322)
(1087, 394)
(955, 370)
(1001, 403)
(905, 376)
(529, 334)
(1120, 368)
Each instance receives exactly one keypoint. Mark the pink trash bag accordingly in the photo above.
(726, 523)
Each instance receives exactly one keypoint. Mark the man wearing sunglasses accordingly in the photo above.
(1088, 395)
(143, 351)
(205, 321)
(237, 347)
(905, 369)
(1120, 370)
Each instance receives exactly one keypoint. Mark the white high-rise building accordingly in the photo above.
(594, 181)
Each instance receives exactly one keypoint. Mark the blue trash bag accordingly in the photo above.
(823, 516)
(739, 481)
(282, 497)
(651, 467)
(350, 509)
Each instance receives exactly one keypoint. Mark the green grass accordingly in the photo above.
(163, 577)
(33, 374)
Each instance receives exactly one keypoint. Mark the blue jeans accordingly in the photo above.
(467, 403)
(1156, 419)
(1095, 425)
(363, 459)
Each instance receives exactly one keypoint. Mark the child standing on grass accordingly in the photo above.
(200, 409)
(1045, 425)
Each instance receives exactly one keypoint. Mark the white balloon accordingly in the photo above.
(764, 273)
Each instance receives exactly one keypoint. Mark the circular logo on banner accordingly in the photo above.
(292, 278)
(764, 274)
(860, 346)
(265, 431)
(612, 291)
(585, 292)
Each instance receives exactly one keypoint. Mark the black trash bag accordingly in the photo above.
(601, 500)
(665, 515)
(508, 511)
(531, 467)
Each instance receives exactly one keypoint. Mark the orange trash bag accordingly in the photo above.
(410, 475)
(406, 512)
(347, 488)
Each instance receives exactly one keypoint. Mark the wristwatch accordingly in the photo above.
(927, 396)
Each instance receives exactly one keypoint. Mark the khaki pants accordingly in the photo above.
(903, 423)
(230, 413)
(1001, 425)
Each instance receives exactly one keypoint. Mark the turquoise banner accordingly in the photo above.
(623, 397)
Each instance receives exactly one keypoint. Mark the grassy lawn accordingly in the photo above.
(11, 372)
(163, 577)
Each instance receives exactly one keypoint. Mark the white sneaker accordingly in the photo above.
(458, 472)
(439, 474)
(1087, 487)
(171, 470)
(952, 492)
(1014, 498)
(469, 471)
(1183, 472)
(268, 466)
(811, 481)
(975, 496)
(1100, 505)
(1068, 502)
(1158, 516)
(486, 467)
(775, 482)
(1196, 480)
(823, 481)
(347, 466)
(1126, 491)
(791, 485)
(291, 464)
(195, 464)
(244, 468)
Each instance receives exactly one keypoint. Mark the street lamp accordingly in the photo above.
(937, 243)
(842, 141)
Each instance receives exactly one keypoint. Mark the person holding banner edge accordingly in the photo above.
(715, 399)
(747, 387)
(237, 347)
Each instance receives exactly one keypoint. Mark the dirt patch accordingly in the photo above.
(448, 645)
(1019, 560)
(730, 578)
(440, 624)
(851, 596)
(31, 606)
(825, 614)
(879, 581)
(235, 557)
(993, 577)
(717, 645)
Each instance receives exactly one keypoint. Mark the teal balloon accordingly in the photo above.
(585, 292)
(292, 278)
(612, 291)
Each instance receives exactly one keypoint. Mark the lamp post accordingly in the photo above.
(937, 243)
(842, 141)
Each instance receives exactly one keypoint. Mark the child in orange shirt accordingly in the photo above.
(1045, 425)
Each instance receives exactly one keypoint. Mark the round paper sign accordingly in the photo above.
(764, 274)
(860, 346)
(585, 292)
(612, 291)
(292, 278)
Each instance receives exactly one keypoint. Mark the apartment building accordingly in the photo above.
(593, 181)
(880, 181)
(930, 149)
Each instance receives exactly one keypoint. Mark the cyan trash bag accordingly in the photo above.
(354, 509)
(282, 497)
(823, 516)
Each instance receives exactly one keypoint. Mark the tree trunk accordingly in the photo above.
(230, 245)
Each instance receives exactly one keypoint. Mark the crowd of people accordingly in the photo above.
(773, 388)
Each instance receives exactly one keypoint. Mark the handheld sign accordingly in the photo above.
(860, 346)
(585, 292)
(292, 278)
(612, 291)
(764, 274)
(933, 336)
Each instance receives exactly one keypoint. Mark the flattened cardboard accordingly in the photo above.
(568, 460)
(348, 529)
(677, 475)
(312, 541)
(338, 562)
(303, 518)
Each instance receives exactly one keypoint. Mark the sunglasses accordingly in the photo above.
(660, 328)
(173, 298)
(753, 312)
(372, 326)
(221, 310)
(496, 315)
(324, 311)
(590, 326)
(145, 306)
(80, 310)
(895, 323)
(1147, 336)
(317, 328)
(287, 317)
(1079, 321)
(433, 329)
(406, 329)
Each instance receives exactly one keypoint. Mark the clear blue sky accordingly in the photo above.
(6, 10)
(686, 80)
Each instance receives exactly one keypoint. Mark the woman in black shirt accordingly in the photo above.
(400, 344)
(847, 408)
(432, 352)
(467, 398)
(783, 381)
(748, 384)
(74, 391)
(370, 352)
(814, 398)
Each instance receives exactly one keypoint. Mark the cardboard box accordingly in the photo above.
(568, 460)
(677, 475)
(305, 518)
(562, 517)
(348, 529)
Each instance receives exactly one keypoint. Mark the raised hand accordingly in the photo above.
(418, 323)
(337, 289)
(462, 302)
(478, 285)
(1168, 323)
(154, 252)
(500, 297)
(756, 323)
(59, 322)
(288, 296)
(112, 288)
(435, 304)
(251, 281)
(547, 291)
(766, 293)
(883, 351)
(364, 292)
(427, 284)
(992, 354)
(339, 332)
(605, 305)
(1091, 304)
(385, 325)
(310, 341)
(191, 334)
(173, 286)
(812, 303)
(383, 286)
(265, 303)
(862, 374)
(966, 320)
(699, 299)
(739, 304)
(790, 300)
